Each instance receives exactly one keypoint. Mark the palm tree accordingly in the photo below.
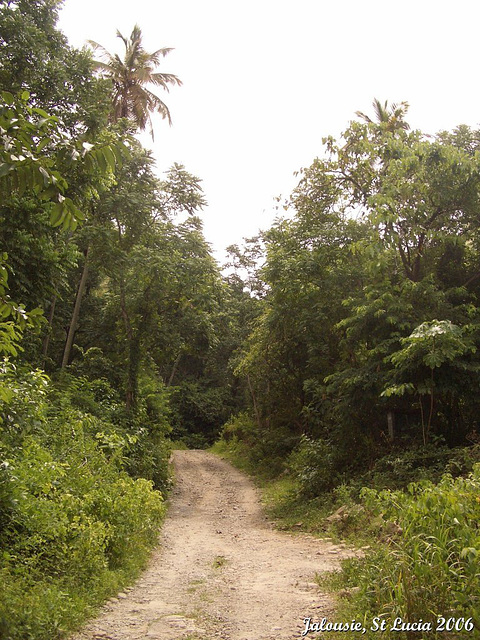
(131, 99)
(392, 116)
(130, 77)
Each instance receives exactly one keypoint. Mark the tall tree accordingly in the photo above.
(130, 77)
(130, 99)
(379, 251)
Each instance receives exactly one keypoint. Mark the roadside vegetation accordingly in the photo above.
(78, 521)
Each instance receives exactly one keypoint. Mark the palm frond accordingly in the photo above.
(136, 35)
(363, 116)
(130, 75)
(124, 40)
(156, 104)
(164, 79)
(98, 47)
(157, 55)
(102, 66)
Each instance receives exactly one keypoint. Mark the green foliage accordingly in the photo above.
(26, 162)
(430, 568)
(198, 413)
(138, 441)
(25, 130)
(432, 345)
(402, 466)
(261, 451)
(23, 165)
(181, 192)
(313, 465)
(14, 319)
(370, 312)
(150, 430)
(72, 518)
(37, 58)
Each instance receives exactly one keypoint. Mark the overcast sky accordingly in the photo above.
(265, 80)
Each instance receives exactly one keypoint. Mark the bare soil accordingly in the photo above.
(221, 570)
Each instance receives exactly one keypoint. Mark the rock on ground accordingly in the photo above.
(221, 571)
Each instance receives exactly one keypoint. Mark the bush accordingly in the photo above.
(74, 523)
(430, 566)
(264, 450)
(148, 457)
(240, 427)
(397, 470)
(149, 429)
(312, 463)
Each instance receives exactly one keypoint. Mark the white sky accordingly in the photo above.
(265, 80)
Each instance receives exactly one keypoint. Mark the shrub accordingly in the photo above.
(264, 449)
(74, 523)
(241, 427)
(430, 566)
(312, 463)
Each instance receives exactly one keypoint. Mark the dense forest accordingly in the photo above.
(337, 349)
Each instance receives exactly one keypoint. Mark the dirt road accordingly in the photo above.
(221, 570)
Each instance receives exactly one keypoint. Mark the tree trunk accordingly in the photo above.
(132, 374)
(76, 312)
(46, 341)
(254, 400)
(133, 352)
(174, 369)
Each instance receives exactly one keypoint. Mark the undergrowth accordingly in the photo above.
(428, 570)
(75, 527)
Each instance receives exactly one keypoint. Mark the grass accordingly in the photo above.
(220, 561)
(195, 585)
(236, 457)
(177, 445)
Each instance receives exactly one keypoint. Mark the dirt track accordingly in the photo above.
(221, 570)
